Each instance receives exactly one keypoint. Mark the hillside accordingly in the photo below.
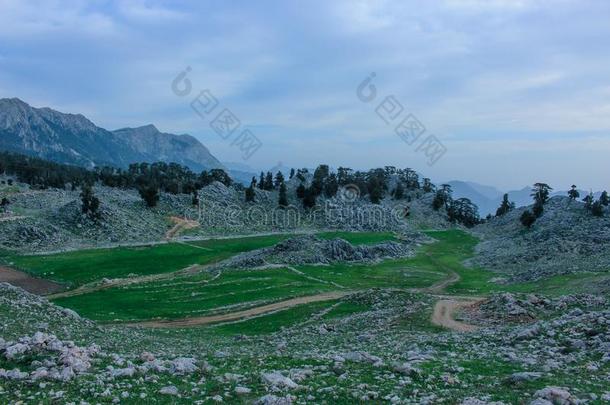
(566, 239)
(73, 139)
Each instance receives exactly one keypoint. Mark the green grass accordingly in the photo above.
(190, 296)
(275, 321)
(85, 266)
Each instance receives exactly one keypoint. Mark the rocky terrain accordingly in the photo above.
(308, 249)
(49, 220)
(50, 354)
(566, 239)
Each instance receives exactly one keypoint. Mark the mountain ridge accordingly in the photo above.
(74, 139)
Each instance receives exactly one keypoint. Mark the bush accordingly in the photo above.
(527, 218)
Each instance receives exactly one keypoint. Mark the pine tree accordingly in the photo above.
(291, 173)
(261, 181)
(588, 200)
(268, 182)
(250, 193)
(597, 209)
(541, 192)
(283, 198)
(90, 203)
(603, 199)
(4, 204)
(300, 191)
(573, 193)
(505, 207)
(331, 186)
(309, 198)
(399, 191)
(279, 179)
(538, 209)
(527, 218)
(149, 193)
(428, 187)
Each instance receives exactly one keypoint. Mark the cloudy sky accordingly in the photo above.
(516, 90)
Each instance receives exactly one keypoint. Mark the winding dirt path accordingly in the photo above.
(445, 309)
(120, 282)
(181, 224)
(248, 313)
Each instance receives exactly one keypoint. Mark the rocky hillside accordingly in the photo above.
(566, 239)
(73, 139)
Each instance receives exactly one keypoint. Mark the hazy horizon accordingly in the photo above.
(517, 91)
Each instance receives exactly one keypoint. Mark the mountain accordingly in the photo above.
(164, 147)
(241, 172)
(487, 198)
(73, 139)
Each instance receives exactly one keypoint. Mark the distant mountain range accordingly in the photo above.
(488, 198)
(73, 139)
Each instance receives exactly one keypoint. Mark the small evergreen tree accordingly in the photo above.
(588, 200)
(428, 187)
(279, 179)
(300, 191)
(149, 193)
(250, 193)
(527, 218)
(268, 182)
(90, 203)
(283, 198)
(538, 209)
(603, 199)
(4, 204)
(597, 209)
(399, 191)
(261, 181)
(331, 186)
(309, 199)
(573, 193)
(505, 207)
(291, 173)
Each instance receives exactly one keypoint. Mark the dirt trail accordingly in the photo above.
(248, 313)
(120, 282)
(181, 224)
(445, 309)
(30, 284)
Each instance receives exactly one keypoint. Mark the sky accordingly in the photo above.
(515, 91)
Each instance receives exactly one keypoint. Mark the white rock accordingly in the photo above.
(169, 390)
(242, 390)
(278, 380)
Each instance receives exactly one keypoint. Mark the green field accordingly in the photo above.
(198, 295)
(84, 266)
(189, 295)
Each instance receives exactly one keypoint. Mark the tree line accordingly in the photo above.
(148, 178)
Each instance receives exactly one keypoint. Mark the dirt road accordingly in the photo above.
(30, 284)
(248, 313)
(181, 224)
(445, 309)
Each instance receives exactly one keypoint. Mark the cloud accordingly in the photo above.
(469, 70)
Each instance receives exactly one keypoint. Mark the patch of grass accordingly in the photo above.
(191, 296)
(400, 273)
(273, 322)
(85, 266)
